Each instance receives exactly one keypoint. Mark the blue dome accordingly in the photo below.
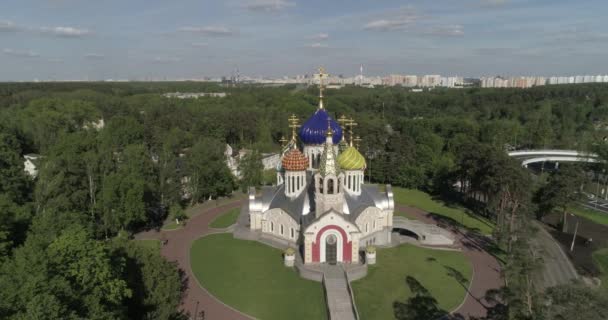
(313, 131)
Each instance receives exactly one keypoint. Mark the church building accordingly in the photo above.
(321, 204)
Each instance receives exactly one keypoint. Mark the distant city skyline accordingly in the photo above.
(190, 39)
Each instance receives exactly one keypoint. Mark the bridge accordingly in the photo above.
(534, 156)
(427, 233)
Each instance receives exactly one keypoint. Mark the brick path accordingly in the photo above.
(178, 249)
(486, 269)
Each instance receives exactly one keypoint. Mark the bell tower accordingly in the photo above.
(329, 193)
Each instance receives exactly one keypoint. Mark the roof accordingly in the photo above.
(351, 159)
(314, 129)
(302, 208)
(294, 160)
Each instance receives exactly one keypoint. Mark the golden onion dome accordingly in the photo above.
(351, 159)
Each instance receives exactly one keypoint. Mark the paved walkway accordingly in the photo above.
(196, 298)
(486, 269)
(339, 301)
(557, 268)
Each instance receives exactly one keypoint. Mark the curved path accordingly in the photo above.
(196, 298)
(486, 269)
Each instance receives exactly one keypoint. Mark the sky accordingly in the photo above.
(172, 39)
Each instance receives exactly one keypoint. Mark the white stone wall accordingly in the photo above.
(295, 183)
(273, 219)
(353, 180)
(371, 220)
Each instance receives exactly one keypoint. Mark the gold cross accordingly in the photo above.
(293, 124)
(358, 141)
(283, 141)
(350, 123)
(322, 75)
(343, 120)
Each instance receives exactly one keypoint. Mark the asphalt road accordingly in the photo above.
(597, 204)
(557, 268)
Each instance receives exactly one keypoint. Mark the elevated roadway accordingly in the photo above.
(553, 155)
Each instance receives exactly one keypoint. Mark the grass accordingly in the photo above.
(250, 277)
(593, 215)
(600, 257)
(172, 225)
(457, 215)
(404, 214)
(225, 219)
(152, 244)
(445, 274)
(199, 208)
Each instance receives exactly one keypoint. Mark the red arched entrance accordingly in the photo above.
(346, 245)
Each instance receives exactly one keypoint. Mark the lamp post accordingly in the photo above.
(574, 236)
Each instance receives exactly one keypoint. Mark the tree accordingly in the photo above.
(73, 276)
(575, 301)
(561, 191)
(156, 284)
(177, 213)
(207, 172)
(251, 169)
(13, 181)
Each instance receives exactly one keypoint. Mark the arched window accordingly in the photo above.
(281, 229)
(374, 225)
(330, 186)
(271, 226)
(291, 232)
(366, 227)
(321, 185)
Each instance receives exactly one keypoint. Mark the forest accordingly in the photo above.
(64, 235)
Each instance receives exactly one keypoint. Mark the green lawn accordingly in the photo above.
(458, 215)
(172, 225)
(600, 257)
(404, 214)
(225, 219)
(250, 277)
(152, 244)
(433, 269)
(595, 216)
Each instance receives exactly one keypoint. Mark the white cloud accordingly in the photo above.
(455, 30)
(20, 53)
(318, 45)
(320, 36)
(216, 31)
(167, 59)
(94, 56)
(401, 20)
(268, 5)
(68, 32)
(8, 26)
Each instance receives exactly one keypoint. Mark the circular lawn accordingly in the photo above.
(403, 272)
(251, 278)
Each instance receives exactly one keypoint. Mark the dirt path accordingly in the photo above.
(486, 269)
(196, 298)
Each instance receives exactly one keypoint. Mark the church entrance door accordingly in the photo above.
(331, 249)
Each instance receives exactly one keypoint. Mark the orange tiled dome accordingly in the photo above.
(295, 160)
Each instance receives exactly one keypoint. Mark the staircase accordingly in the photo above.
(338, 294)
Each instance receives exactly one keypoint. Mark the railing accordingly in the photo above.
(352, 295)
